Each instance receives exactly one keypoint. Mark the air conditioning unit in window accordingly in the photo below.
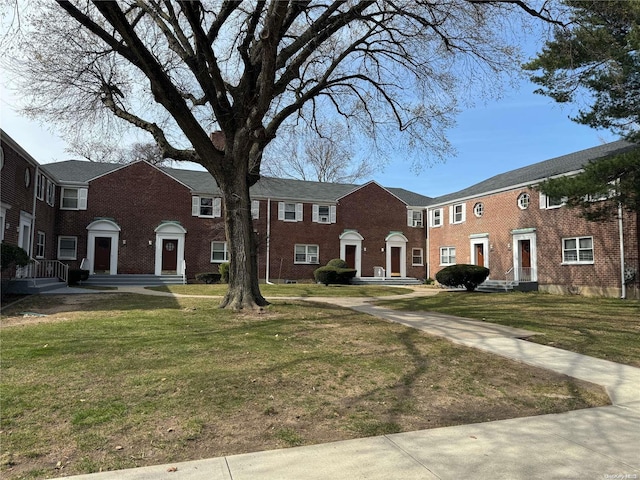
(313, 259)
(324, 219)
(417, 223)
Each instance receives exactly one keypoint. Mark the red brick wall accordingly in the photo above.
(19, 197)
(502, 215)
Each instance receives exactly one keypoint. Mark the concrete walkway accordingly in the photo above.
(598, 443)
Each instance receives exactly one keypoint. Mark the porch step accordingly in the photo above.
(133, 280)
(495, 286)
(386, 281)
(33, 286)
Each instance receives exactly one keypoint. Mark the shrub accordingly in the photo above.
(337, 263)
(325, 275)
(76, 276)
(13, 255)
(467, 276)
(344, 275)
(209, 277)
(223, 268)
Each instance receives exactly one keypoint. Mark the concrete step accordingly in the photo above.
(386, 281)
(32, 287)
(133, 280)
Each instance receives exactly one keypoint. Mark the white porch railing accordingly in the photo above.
(521, 274)
(44, 269)
(184, 272)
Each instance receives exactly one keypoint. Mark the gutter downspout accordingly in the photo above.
(427, 250)
(266, 280)
(623, 294)
(33, 211)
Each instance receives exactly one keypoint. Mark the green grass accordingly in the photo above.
(291, 290)
(606, 328)
(110, 381)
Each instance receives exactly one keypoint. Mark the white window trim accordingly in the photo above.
(520, 200)
(452, 213)
(75, 253)
(81, 198)
(51, 193)
(41, 235)
(544, 202)
(309, 257)
(196, 207)
(40, 186)
(298, 212)
(255, 209)
(578, 249)
(226, 252)
(421, 263)
(317, 218)
(478, 209)
(432, 217)
(449, 255)
(412, 221)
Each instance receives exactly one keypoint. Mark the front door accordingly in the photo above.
(395, 261)
(479, 249)
(350, 256)
(102, 255)
(169, 255)
(525, 261)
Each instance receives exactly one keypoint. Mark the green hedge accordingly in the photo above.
(209, 277)
(223, 268)
(76, 276)
(463, 275)
(13, 255)
(328, 275)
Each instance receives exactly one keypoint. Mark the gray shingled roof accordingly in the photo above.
(200, 182)
(532, 174)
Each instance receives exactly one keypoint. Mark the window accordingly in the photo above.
(3, 216)
(208, 207)
(414, 218)
(447, 255)
(324, 213)
(478, 209)
(290, 212)
(40, 185)
(73, 199)
(416, 256)
(547, 202)
(40, 245)
(255, 209)
(577, 250)
(67, 248)
(51, 193)
(523, 201)
(436, 217)
(27, 177)
(457, 213)
(306, 254)
(219, 252)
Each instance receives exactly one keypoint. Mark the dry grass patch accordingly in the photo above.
(118, 381)
(607, 328)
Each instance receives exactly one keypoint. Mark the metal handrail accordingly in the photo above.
(43, 269)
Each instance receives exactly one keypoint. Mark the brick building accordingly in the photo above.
(522, 236)
(142, 219)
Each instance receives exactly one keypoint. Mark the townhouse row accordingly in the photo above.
(142, 219)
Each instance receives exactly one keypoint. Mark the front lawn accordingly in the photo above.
(110, 381)
(606, 328)
(291, 290)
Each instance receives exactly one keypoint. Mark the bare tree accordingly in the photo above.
(323, 154)
(181, 69)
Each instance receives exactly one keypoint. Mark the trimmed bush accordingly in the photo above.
(337, 263)
(13, 255)
(223, 268)
(467, 276)
(325, 275)
(209, 277)
(344, 275)
(76, 276)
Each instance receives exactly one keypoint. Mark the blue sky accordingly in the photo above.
(520, 129)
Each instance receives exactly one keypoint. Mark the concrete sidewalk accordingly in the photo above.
(598, 443)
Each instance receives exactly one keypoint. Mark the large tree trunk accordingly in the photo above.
(244, 291)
